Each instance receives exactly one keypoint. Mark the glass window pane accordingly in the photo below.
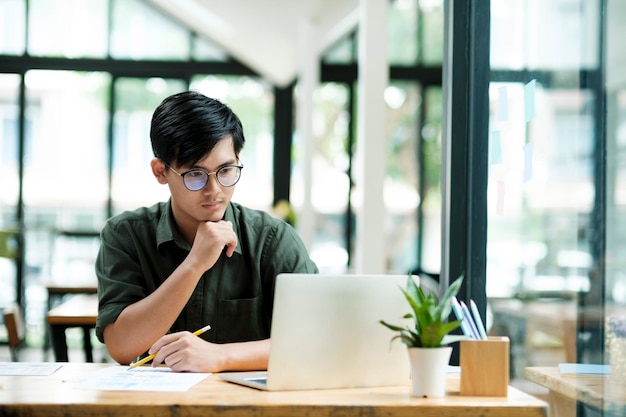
(343, 52)
(205, 50)
(508, 37)
(330, 181)
(331, 165)
(66, 139)
(430, 231)
(541, 196)
(616, 192)
(554, 178)
(65, 172)
(431, 34)
(402, 29)
(615, 283)
(253, 102)
(540, 193)
(12, 27)
(79, 29)
(141, 32)
(136, 99)
(524, 35)
(400, 191)
(9, 157)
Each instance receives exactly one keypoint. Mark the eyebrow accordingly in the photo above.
(227, 163)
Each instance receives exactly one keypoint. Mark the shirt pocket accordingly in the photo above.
(241, 320)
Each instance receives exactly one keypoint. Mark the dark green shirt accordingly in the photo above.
(140, 249)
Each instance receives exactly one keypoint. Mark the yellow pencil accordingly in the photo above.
(150, 357)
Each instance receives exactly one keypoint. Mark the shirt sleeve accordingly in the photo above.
(283, 252)
(119, 275)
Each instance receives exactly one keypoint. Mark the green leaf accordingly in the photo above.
(445, 305)
(430, 326)
(411, 288)
(392, 327)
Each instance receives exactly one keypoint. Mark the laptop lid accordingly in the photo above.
(326, 333)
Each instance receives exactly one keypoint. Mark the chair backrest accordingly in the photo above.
(15, 328)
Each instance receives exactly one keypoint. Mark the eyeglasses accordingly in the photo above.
(197, 179)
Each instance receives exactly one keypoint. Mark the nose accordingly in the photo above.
(212, 183)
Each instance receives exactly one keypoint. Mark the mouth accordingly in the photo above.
(212, 204)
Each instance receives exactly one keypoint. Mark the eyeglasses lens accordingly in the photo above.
(195, 180)
(226, 176)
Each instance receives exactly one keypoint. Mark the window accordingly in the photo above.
(554, 196)
(9, 155)
(140, 32)
(253, 102)
(12, 27)
(136, 99)
(79, 29)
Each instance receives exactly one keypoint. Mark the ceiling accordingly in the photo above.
(266, 34)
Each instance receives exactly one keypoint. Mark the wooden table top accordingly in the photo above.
(50, 396)
(556, 311)
(78, 310)
(602, 392)
(71, 287)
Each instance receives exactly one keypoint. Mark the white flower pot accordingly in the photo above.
(429, 371)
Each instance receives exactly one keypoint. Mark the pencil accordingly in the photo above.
(470, 320)
(458, 312)
(150, 357)
(478, 320)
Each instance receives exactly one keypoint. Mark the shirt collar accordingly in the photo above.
(167, 231)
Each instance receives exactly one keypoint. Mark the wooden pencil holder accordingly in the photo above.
(485, 367)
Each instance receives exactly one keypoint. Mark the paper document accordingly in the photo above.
(143, 378)
(453, 369)
(28, 368)
(584, 368)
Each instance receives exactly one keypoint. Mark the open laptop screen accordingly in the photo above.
(326, 332)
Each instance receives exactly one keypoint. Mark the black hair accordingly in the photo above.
(186, 127)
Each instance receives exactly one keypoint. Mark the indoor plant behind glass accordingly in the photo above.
(427, 337)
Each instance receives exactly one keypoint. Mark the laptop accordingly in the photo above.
(326, 334)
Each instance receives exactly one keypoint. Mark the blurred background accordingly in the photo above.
(79, 80)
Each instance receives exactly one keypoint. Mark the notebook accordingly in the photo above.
(326, 334)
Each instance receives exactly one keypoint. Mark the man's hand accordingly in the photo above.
(184, 352)
(211, 239)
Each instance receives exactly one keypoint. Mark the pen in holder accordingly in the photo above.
(485, 367)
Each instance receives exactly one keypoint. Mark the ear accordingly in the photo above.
(158, 170)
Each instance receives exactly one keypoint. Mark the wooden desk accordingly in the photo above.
(56, 293)
(562, 319)
(79, 311)
(555, 318)
(599, 392)
(50, 396)
(55, 289)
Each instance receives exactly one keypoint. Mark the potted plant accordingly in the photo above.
(427, 337)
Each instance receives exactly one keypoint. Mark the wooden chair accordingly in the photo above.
(15, 328)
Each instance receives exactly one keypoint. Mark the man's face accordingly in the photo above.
(210, 202)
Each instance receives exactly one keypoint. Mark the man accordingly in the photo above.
(198, 259)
